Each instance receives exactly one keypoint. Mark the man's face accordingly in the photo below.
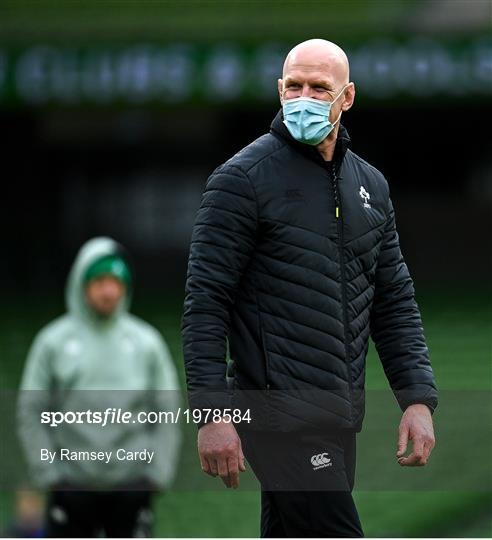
(104, 294)
(317, 82)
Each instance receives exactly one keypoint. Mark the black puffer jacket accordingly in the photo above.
(297, 262)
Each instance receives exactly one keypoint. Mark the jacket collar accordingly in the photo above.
(279, 130)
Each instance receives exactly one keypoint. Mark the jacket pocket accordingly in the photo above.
(263, 344)
(265, 356)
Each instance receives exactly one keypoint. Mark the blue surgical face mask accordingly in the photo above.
(308, 119)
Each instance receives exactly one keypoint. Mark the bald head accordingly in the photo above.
(319, 69)
(318, 55)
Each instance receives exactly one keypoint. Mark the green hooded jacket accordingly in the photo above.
(79, 362)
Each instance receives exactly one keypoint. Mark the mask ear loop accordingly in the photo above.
(340, 93)
(336, 121)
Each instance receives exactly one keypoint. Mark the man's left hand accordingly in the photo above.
(416, 426)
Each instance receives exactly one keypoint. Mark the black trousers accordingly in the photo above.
(306, 480)
(74, 513)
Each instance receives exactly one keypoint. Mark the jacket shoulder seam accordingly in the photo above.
(368, 165)
(233, 160)
(266, 156)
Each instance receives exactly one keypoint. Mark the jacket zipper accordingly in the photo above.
(339, 219)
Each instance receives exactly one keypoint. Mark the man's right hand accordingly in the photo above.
(219, 448)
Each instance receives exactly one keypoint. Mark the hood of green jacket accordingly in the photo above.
(75, 291)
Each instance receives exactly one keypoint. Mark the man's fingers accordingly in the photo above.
(214, 470)
(204, 464)
(223, 471)
(413, 460)
(213, 467)
(242, 464)
(402, 441)
(418, 450)
(417, 457)
(428, 446)
(208, 466)
(233, 467)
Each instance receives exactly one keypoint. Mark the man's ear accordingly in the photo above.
(280, 85)
(349, 97)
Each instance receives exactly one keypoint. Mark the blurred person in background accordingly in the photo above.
(28, 518)
(295, 259)
(96, 352)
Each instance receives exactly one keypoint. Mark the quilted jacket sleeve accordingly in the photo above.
(223, 238)
(396, 326)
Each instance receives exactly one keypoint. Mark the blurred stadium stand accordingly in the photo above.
(114, 114)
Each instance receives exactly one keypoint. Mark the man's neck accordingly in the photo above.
(327, 147)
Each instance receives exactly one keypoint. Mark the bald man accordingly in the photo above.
(294, 263)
